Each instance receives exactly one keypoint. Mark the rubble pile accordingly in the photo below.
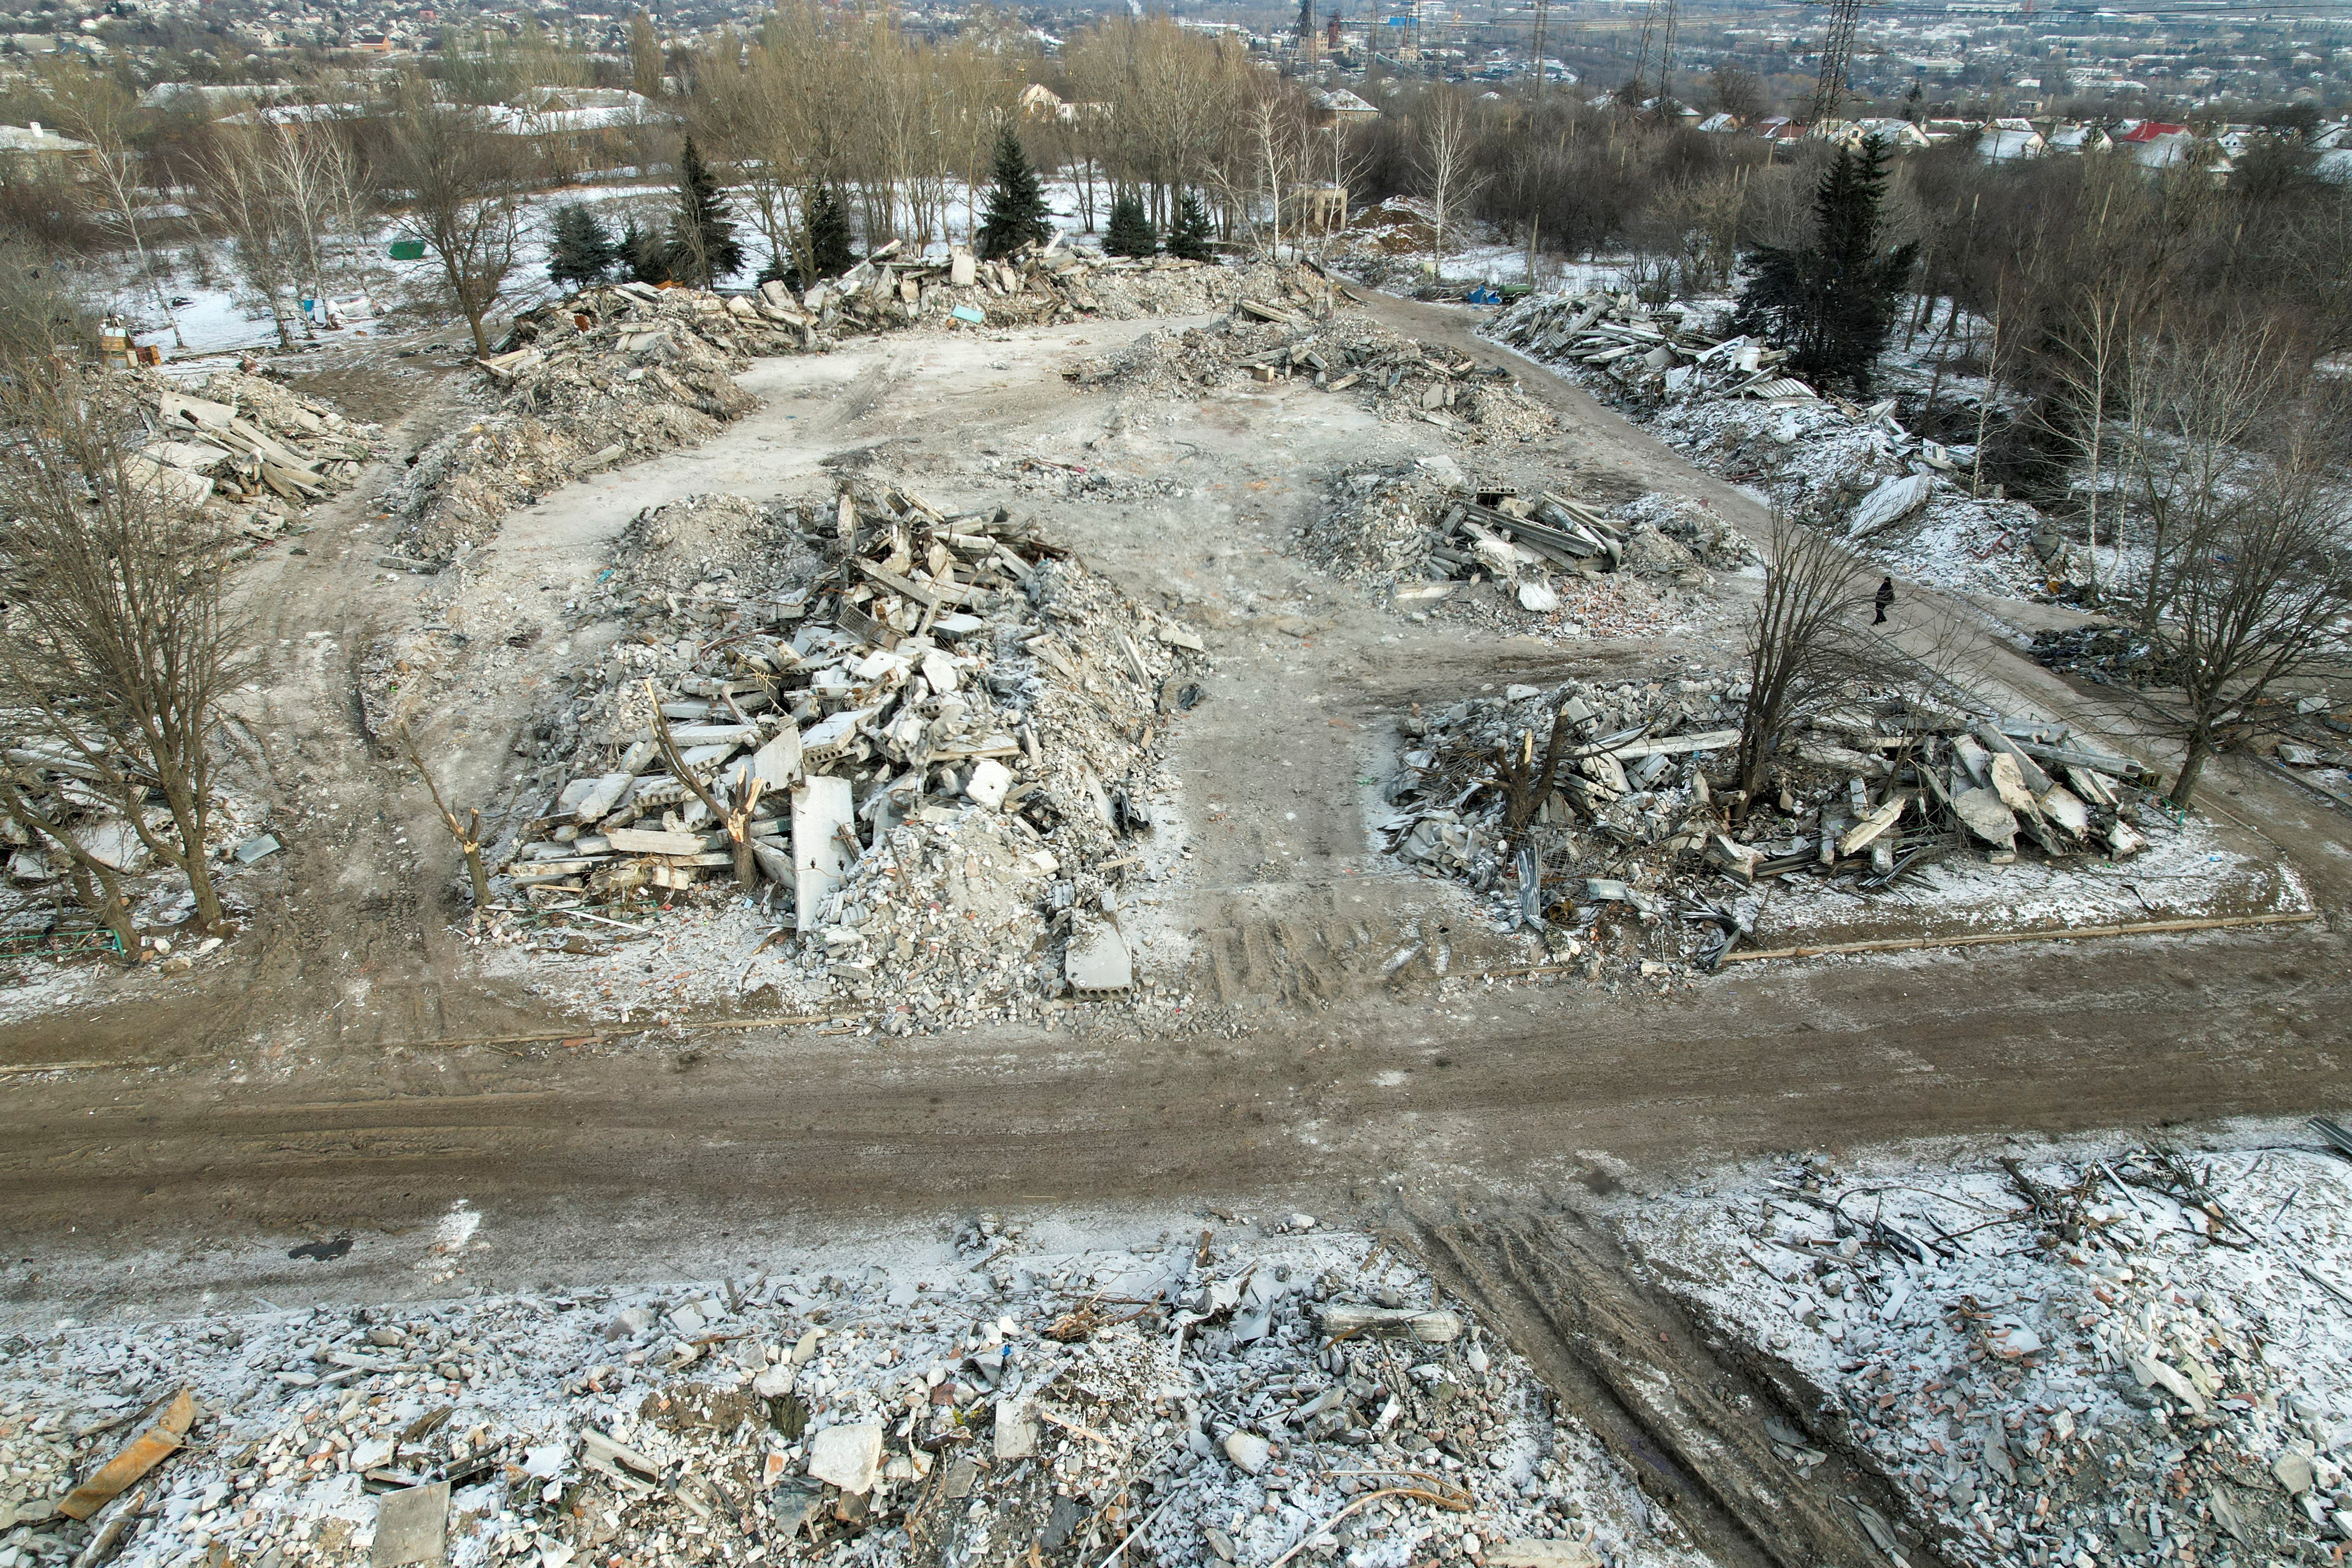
(2130, 1355)
(247, 445)
(54, 782)
(1426, 535)
(1618, 812)
(1190, 1401)
(624, 370)
(938, 737)
(619, 373)
(1728, 403)
(1337, 351)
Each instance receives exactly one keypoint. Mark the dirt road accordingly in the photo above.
(595, 1163)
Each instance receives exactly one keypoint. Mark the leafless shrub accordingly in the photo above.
(120, 644)
(1806, 645)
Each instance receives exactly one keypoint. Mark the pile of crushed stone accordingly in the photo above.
(1433, 542)
(1727, 403)
(1335, 348)
(1191, 1400)
(943, 740)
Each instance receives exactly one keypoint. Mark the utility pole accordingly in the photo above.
(1837, 50)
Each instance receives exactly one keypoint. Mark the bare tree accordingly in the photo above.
(462, 183)
(2093, 358)
(468, 833)
(735, 816)
(100, 111)
(1448, 178)
(2198, 405)
(1805, 646)
(120, 644)
(2254, 593)
(241, 193)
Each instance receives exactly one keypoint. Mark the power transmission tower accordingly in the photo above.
(1837, 50)
(1543, 16)
(1658, 28)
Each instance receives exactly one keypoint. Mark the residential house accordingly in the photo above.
(1999, 145)
(2068, 137)
(1341, 107)
(44, 150)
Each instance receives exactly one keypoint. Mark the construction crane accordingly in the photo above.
(1837, 53)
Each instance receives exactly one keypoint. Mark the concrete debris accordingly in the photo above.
(412, 1527)
(618, 374)
(1869, 794)
(624, 370)
(1727, 403)
(972, 1398)
(60, 786)
(247, 447)
(1435, 541)
(953, 731)
(1334, 348)
(2074, 1360)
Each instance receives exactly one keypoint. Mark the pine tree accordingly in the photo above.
(703, 245)
(831, 253)
(1193, 234)
(1831, 305)
(1016, 201)
(644, 253)
(1131, 232)
(584, 250)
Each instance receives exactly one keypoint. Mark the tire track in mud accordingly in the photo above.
(1687, 1420)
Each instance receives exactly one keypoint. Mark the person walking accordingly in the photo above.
(1885, 598)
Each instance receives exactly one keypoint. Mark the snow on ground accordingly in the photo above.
(2186, 871)
(1816, 458)
(2122, 1353)
(990, 1392)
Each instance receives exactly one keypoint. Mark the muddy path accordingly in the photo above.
(1684, 1415)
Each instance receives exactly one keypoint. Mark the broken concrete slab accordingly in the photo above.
(1016, 1434)
(2009, 783)
(989, 782)
(822, 812)
(1097, 959)
(1982, 811)
(412, 1526)
(1249, 1452)
(641, 841)
(1866, 832)
(2029, 770)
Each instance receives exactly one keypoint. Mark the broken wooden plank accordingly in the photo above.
(138, 1457)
